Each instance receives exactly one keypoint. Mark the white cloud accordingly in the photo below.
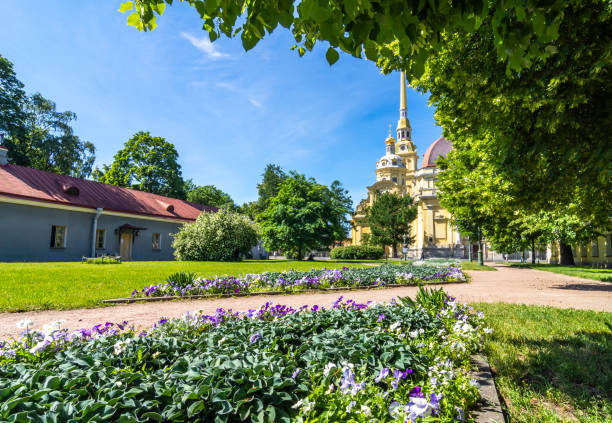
(203, 44)
(256, 103)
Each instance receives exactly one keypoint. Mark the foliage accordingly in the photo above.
(37, 135)
(551, 365)
(386, 274)
(272, 364)
(390, 217)
(357, 252)
(272, 178)
(182, 278)
(102, 260)
(220, 236)
(250, 209)
(145, 163)
(209, 195)
(305, 216)
(521, 31)
(43, 286)
(532, 141)
(12, 96)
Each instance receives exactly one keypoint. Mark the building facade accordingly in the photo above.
(397, 171)
(50, 217)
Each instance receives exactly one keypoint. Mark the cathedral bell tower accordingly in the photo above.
(404, 147)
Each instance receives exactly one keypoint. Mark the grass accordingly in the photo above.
(586, 272)
(551, 365)
(43, 286)
(473, 265)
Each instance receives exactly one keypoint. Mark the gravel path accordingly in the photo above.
(507, 284)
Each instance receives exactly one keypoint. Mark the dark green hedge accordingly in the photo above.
(357, 252)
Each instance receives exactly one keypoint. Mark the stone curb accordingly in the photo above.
(248, 294)
(488, 407)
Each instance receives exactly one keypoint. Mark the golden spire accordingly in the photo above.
(403, 102)
(403, 125)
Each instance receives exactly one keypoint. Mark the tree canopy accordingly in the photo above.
(145, 163)
(390, 217)
(37, 134)
(520, 29)
(270, 183)
(305, 216)
(209, 195)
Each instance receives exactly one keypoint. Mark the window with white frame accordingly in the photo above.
(58, 236)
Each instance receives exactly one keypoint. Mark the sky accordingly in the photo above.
(228, 112)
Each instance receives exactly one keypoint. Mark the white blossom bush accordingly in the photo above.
(220, 236)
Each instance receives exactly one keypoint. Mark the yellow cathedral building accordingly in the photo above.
(397, 172)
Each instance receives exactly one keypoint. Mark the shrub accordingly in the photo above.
(102, 260)
(220, 236)
(357, 252)
(182, 279)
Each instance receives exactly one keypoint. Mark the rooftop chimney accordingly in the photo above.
(3, 151)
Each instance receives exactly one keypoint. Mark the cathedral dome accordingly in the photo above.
(390, 160)
(440, 147)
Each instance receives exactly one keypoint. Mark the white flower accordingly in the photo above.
(330, 389)
(118, 384)
(395, 326)
(120, 345)
(221, 341)
(366, 410)
(155, 354)
(488, 330)
(25, 323)
(328, 368)
(298, 404)
(414, 333)
(39, 347)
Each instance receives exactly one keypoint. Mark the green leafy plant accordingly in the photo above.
(357, 252)
(182, 279)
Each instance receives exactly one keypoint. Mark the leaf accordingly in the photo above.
(128, 5)
(332, 56)
(195, 408)
(152, 416)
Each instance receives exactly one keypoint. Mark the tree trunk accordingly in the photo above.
(566, 257)
(480, 261)
(533, 251)
(299, 257)
(469, 249)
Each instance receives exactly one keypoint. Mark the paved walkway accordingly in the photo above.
(507, 284)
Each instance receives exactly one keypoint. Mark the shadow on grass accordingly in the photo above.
(579, 366)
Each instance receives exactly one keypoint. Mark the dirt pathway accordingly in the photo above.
(507, 284)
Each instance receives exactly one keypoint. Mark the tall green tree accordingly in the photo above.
(269, 186)
(46, 141)
(209, 195)
(304, 216)
(390, 217)
(12, 97)
(542, 135)
(145, 163)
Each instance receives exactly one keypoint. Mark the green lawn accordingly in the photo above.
(40, 286)
(551, 365)
(473, 265)
(604, 275)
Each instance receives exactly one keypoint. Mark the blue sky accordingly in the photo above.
(228, 112)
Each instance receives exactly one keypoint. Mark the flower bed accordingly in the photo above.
(351, 362)
(290, 281)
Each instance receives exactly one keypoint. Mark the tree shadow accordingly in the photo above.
(578, 365)
(585, 287)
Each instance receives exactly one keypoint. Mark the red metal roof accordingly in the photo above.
(440, 147)
(37, 185)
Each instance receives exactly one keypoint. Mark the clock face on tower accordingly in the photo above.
(403, 147)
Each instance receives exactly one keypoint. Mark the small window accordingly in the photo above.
(156, 241)
(609, 245)
(595, 249)
(394, 180)
(58, 236)
(583, 251)
(100, 238)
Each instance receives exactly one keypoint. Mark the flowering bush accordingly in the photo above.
(219, 236)
(357, 252)
(386, 274)
(350, 362)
